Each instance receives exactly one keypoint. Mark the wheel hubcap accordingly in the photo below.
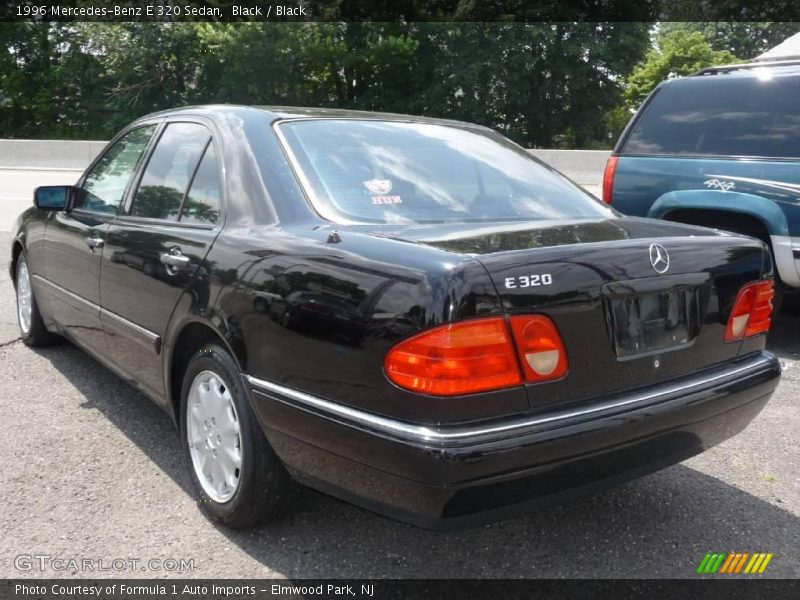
(215, 445)
(24, 297)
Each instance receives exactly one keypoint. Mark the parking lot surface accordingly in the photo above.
(93, 470)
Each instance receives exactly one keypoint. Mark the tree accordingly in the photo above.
(532, 81)
(678, 52)
(48, 83)
(145, 66)
(741, 38)
(537, 82)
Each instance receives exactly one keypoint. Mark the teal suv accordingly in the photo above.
(721, 149)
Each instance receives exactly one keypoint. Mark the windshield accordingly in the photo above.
(397, 172)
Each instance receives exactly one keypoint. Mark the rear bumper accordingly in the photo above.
(444, 477)
(786, 252)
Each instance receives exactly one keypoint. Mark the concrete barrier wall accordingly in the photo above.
(583, 166)
(48, 154)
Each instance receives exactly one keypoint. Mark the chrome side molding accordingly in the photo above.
(458, 435)
(121, 325)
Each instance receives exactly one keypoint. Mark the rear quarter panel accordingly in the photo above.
(320, 317)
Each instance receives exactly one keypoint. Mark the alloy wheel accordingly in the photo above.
(214, 436)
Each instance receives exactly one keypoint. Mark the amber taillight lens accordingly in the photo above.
(752, 311)
(477, 356)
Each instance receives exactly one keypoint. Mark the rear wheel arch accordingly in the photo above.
(717, 203)
(728, 220)
(188, 340)
(731, 220)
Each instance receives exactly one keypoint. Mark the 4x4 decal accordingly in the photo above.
(719, 184)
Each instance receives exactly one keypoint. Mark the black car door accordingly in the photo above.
(74, 240)
(156, 247)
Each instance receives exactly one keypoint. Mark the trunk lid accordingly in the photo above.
(625, 322)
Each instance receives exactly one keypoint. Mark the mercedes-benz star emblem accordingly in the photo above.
(659, 258)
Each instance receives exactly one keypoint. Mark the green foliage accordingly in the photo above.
(534, 81)
(678, 52)
(741, 38)
(542, 84)
(47, 82)
(615, 121)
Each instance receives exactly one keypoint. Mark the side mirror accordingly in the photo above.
(53, 197)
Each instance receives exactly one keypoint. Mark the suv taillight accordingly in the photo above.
(752, 311)
(608, 178)
(478, 356)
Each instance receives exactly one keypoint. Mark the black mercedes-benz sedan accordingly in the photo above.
(412, 314)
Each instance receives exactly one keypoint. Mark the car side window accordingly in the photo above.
(105, 184)
(169, 171)
(202, 204)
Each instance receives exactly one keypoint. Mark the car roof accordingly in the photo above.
(757, 69)
(702, 79)
(279, 113)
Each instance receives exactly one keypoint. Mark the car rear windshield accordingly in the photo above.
(399, 172)
(755, 116)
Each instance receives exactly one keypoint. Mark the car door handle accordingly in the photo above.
(94, 242)
(174, 258)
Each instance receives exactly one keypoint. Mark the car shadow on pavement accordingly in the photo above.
(658, 526)
(784, 336)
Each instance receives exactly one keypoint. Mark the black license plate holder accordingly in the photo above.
(653, 316)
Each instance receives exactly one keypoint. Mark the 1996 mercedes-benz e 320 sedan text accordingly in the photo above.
(412, 314)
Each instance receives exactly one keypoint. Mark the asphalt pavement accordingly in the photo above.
(92, 471)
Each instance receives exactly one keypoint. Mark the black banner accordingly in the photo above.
(381, 589)
(402, 10)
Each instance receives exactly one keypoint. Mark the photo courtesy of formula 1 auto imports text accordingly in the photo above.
(391, 300)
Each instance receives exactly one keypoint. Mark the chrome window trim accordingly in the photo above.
(466, 434)
(321, 208)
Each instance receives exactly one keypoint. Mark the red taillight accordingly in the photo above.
(752, 311)
(462, 358)
(540, 348)
(477, 356)
(608, 178)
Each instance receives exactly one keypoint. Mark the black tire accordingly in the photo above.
(36, 334)
(264, 488)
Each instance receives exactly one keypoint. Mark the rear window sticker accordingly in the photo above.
(380, 187)
(387, 200)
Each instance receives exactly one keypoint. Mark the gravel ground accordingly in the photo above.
(91, 469)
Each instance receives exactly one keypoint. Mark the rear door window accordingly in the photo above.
(721, 116)
(169, 171)
(202, 204)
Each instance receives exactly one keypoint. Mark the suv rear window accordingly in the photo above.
(756, 116)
